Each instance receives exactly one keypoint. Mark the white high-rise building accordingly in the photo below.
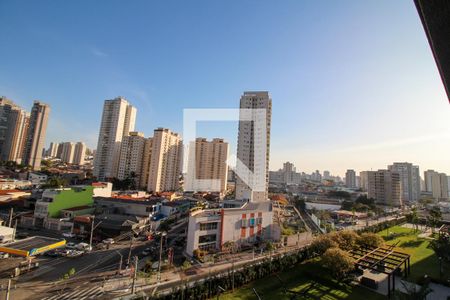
(67, 152)
(410, 180)
(165, 161)
(253, 155)
(364, 180)
(437, 184)
(118, 119)
(131, 157)
(52, 150)
(350, 179)
(207, 166)
(79, 154)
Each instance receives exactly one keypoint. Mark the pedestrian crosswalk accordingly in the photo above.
(77, 294)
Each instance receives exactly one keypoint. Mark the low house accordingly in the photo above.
(170, 208)
(37, 178)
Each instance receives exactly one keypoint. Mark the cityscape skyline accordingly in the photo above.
(161, 84)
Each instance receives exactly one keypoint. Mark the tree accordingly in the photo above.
(338, 262)
(322, 244)
(369, 239)
(441, 247)
(346, 239)
(434, 218)
(414, 219)
(55, 182)
(186, 265)
(347, 205)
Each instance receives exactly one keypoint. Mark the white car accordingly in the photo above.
(68, 234)
(108, 241)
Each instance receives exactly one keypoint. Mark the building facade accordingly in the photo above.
(213, 229)
(350, 179)
(131, 157)
(384, 186)
(165, 161)
(118, 119)
(79, 153)
(248, 146)
(67, 152)
(32, 153)
(437, 183)
(409, 179)
(207, 166)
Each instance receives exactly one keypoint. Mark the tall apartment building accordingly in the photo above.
(165, 161)
(32, 152)
(131, 157)
(52, 150)
(118, 119)
(146, 160)
(13, 130)
(364, 180)
(79, 153)
(207, 166)
(286, 175)
(350, 179)
(437, 184)
(410, 180)
(67, 152)
(253, 155)
(384, 186)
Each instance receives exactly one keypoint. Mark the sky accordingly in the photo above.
(353, 83)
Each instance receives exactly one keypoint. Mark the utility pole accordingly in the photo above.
(133, 287)
(11, 212)
(160, 256)
(8, 290)
(129, 250)
(92, 232)
(14, 232)
(121, 260)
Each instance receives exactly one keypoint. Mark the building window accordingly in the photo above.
(208, 226)
(209, 238)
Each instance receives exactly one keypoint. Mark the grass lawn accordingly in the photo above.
(423, 258)
(309, 278)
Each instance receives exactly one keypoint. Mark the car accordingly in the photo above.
(51, 254)
(4, 255)
(146, 251)
(68, 234)
(108, 241)
(70, 245)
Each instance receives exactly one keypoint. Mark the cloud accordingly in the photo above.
(97, 52)
(397, 143)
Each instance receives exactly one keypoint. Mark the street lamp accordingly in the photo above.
(163, 234)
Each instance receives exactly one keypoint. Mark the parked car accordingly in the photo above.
(70, 245)
(83, 247)
(74, 253)
(108, 241)
(146, 251)
(68, 234)
(4, 255)
(51, 254)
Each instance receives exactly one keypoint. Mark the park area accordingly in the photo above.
(309, 280)
(312, 279)
(423, 258)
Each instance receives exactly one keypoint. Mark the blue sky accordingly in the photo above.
(353, 83)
